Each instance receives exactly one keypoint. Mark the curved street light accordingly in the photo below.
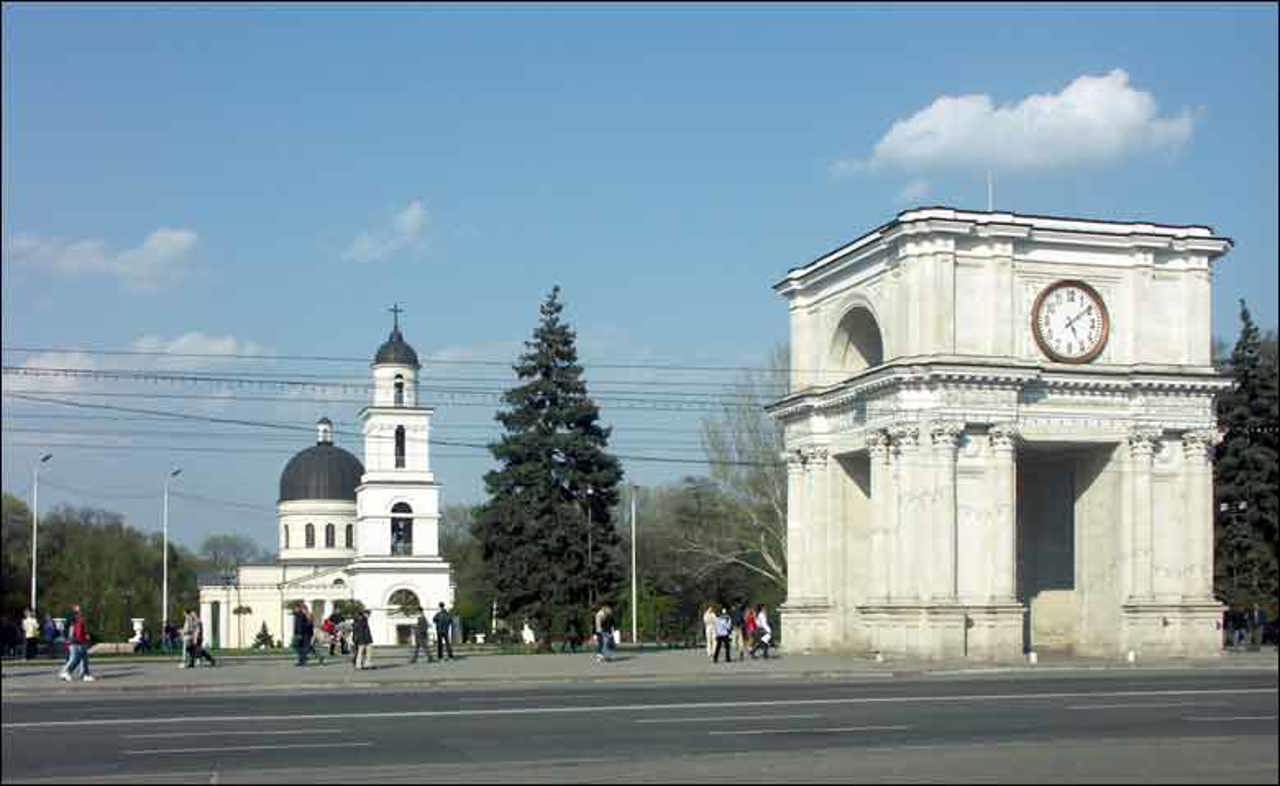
(35, 515)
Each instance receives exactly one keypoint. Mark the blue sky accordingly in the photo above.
(269, 179)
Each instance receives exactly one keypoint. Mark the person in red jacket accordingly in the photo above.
(78, 641)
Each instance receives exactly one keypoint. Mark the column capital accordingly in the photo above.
(946, 433)
(1004, 437)
(805, 458)
(905, 435)
(878, 444)
(1143, 441)
(1198, 444)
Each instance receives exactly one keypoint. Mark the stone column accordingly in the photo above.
(905, 541)
(1002, 439)
(946, 436)
(882, 507)
(797, 499)
(818, 483)
(1142, 446)
(1197, 481)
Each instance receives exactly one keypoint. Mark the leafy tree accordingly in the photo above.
(347, 608)
(473, 602)
(546, 531)
(1246, 475)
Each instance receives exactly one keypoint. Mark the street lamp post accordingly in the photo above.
(635, 629)
(35, 515)
(164, 581)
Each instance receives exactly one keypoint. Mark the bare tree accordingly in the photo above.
(744, 446)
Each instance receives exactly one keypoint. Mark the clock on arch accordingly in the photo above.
(1070, 322)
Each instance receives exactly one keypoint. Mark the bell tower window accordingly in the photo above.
(329, 536)
(399, 397)
(399, 447)
(311, 536)
(401, 529)
(286, 536)
(350, 539)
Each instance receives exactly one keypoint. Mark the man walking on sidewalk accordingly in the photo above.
(30, 634)
(421, 640)
(444, 631)
(724, 629)
(363, 639)
(78, 643)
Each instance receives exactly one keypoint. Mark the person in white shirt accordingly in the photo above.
(709, 627)
(764, 634)
(724, 629)
(30, 633)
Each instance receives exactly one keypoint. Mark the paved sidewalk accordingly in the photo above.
(393, 671)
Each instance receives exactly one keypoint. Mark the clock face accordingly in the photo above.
(1070, 322)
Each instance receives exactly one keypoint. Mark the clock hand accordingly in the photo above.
(1072, 321)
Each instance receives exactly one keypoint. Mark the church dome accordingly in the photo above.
(396, 350)
(322, 471)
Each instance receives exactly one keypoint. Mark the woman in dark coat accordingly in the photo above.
(362, 637)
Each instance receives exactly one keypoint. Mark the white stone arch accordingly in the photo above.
(857, 341)
(391, 607)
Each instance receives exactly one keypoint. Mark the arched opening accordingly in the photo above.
(399, 447)
(330, 536)
(350, 540)
(399, 390)
(401, 529)
(857, 345)
(405, 602)
(311, 536)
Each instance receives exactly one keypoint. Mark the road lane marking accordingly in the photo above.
(722, 718)
(1203, 719)
(236, 748)
(530, 698)
(614, 708)
(226, 733)
(831, 730)
(1146, 706)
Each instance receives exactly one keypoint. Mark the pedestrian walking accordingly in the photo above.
(738, 616)
(748, 634)
(763, 634)
(303, 632)
(444, 633)
(30, 635)
(330, 628)
(346, 631)
(363, 639)
(198, 651)
(709, 627)
(50, 636)
(188, 640)
(724, 630)
(78, 646)
(421, 637)
(604, 632)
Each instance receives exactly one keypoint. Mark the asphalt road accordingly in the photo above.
(1105, 727)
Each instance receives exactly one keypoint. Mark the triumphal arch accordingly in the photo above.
(998, 439)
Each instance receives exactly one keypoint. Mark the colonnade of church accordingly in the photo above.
(884, 539)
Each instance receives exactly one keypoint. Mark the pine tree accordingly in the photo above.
(1245, 477)
(546, 531)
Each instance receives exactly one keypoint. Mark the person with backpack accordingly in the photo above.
(78, 644)
(421, 637)
(444, 633)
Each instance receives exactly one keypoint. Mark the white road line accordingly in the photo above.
(614, 708)
(1144, 706)
(234, 748)
(530, 698)
(722, 718)
(1229, 718)
(227, 733)
(833, 730)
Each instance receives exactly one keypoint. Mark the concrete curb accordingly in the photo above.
(515, 682)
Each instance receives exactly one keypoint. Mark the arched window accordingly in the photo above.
(351, 537)
(329, 536)
(399, 390)
(399, 447)
(286, 536)
(311, 536)
(401, 529)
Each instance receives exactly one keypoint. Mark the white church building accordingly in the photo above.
(349, 531)
(999, 432)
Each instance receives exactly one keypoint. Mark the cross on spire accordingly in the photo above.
(395, 315)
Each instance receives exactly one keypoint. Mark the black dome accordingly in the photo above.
(396, 350)
(322, 471)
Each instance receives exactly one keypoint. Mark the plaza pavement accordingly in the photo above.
(392, 671)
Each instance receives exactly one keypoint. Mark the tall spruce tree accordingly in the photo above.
(1245, 477)
(546, 531)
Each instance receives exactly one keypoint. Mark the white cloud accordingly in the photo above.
(160, 256)
(194, 343)
(406, 230)
(1093, 120)
(914, 190)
